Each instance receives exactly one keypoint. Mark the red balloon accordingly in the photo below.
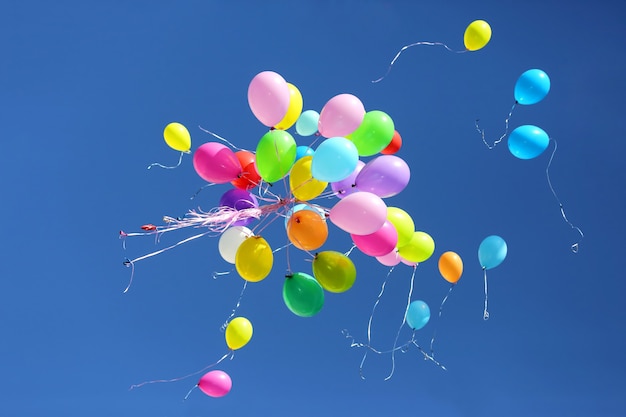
(395, 144)
(249, 177)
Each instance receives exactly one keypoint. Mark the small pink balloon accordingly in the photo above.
(340, 116)
(216, 163)
(390, 259)
(360, 213)
(268, 97)
(215, 383)
(379, 243)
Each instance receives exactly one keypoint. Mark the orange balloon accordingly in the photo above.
(307, 230)
(450, 267)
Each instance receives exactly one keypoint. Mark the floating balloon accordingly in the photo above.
(230, 241)
(528, 142)
(391, 259)
(302, 151)
(340, 116)
(418, 314)
(360, 213)
(307, 230)
(531, 87)
(294, 109)
(477, 35)
(403, 223)
(239, 200)
(307, 123)
(303, 295)
(346, 186)
(419, 249)
(216, 163)
(269, 96)
(215, 383)
(249, 177)
(177, 137)
(254, 259)
(303, 206)
(450, 266)
(395, 144)
(334, 160)
(301, 182)
(275, 155)
(334, 271)
(238, 333)
(492, 251)
(385, 176)
(379, 243)
(373, 134)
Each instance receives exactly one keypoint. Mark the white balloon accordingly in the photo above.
(230, 241)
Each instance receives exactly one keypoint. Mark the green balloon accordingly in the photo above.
(334, 271)
(275, 154)
(374, 133)
(303, 295)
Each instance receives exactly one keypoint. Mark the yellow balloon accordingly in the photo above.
(477, 35)
(294, 109)
(420, 248)
(177, 137)
(254, 259)
(238, 333)
(403, 223)
(301, 182)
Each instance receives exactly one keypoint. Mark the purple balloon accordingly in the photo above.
(346, 186)
(385, 176)
(239, 200)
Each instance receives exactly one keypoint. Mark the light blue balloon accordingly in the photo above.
(418, 314)
(299, 207)
(531, 87)
(528, 142)
(302, 151)
(306, 125)
(334, 159)
(492, 252)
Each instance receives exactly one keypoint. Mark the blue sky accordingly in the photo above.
(87, 88)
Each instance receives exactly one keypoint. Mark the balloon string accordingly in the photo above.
(230, 353)
(190, 391)
(506, 129)
(406, 310)
(221, 138)
(432, 341)
(232, 313)
(210, 184)
(485, 312)
(574, 246)
(410, 46)
(156, 164)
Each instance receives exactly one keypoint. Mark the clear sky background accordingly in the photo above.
(86, 90)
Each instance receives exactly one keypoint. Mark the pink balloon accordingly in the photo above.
(390, 259)
(385, 176)
(268, 97)
(340, 116)
(216, 163)
(215, 383)
(360, 213)
(379, 243)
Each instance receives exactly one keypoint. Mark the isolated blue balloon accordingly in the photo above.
(531, 87)
(302, 151)
(492, 251)
(334, 159)
(418, 314)
(306, 125)
(528, 142)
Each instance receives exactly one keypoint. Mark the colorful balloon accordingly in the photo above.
(403, 222)
(302, 151)
(269, 97)
(340, 116)
(238, 333)
(215, 383)
(230, 240)
(531, 87)
(249, 177)
(395, 144)
(528, 142)
(294, 109)
(239, 200)
(301, 182)
(334, 271)
(307, 230)
(450, 266)
(307, 123)
(275, 155)
(177, 137)
(216, 163)
(373, 134)
(385, 176)
(492, 251)
(303, 206)
(477, 35)
(418, 314)
(346, 186)
(419, 249)
(360, 213)
(254, 259)
(303, 295)
(334, 160)
(391, 259)
(379, 243)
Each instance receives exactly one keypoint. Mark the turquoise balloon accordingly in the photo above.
(528, 142)
(302, 151)
(418, 314)
(334, 160)
(303, 295)
(492, 251)
(531, 87)
(306, 125)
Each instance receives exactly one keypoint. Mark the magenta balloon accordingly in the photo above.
(385, 176)
(390, 259)
(360, 213)
(346, 186)
(268, 97)
(340, 116)
(215, 383)
(379, 243)
(216, 163)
